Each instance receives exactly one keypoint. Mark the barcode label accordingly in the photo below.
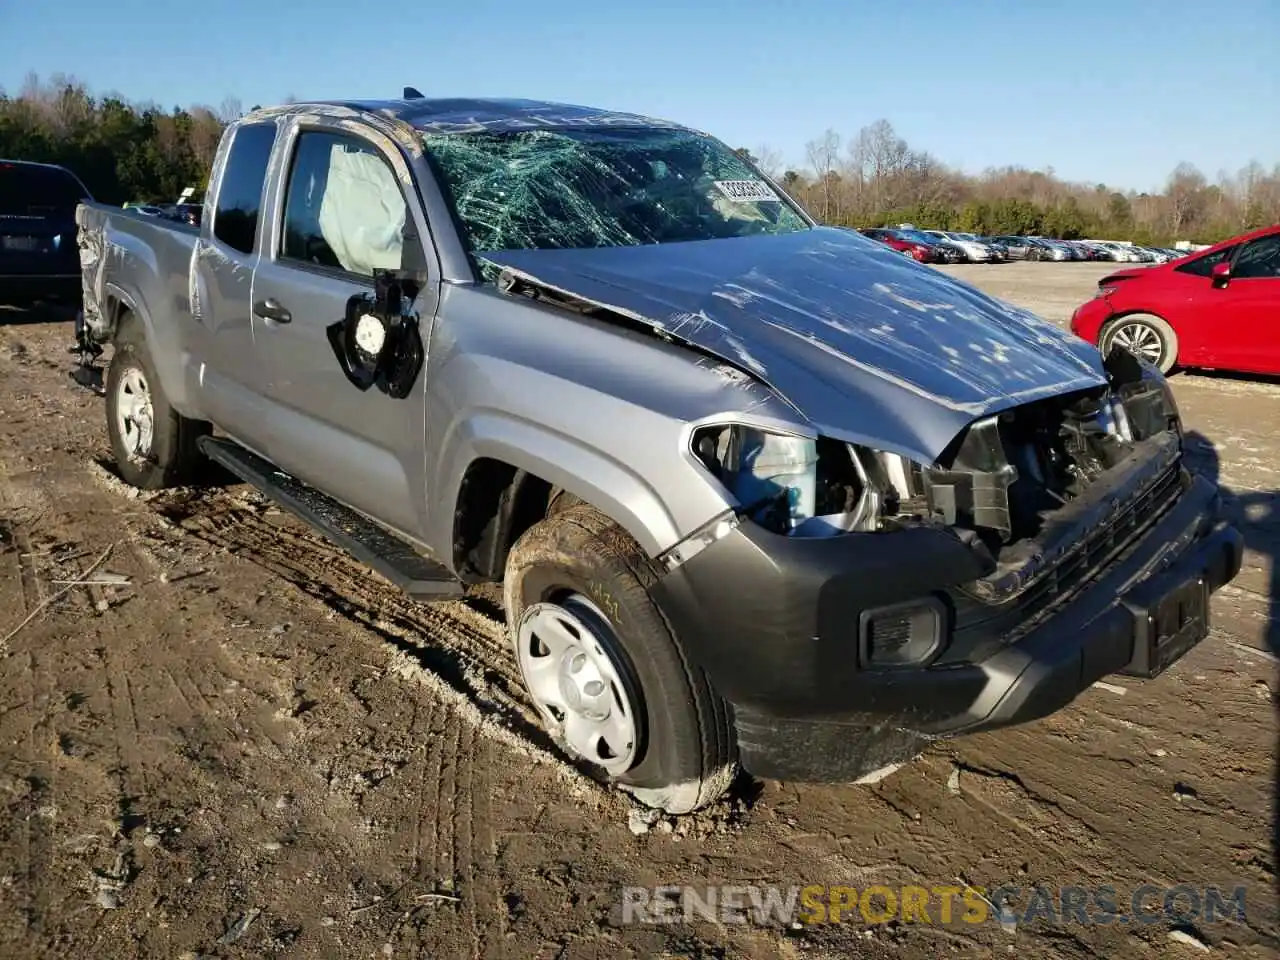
(746, 191)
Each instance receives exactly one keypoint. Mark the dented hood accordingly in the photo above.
(868, 346)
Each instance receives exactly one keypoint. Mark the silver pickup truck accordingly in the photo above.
(760, 493)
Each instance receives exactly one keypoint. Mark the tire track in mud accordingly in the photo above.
(15, 533)
(454, 647)
(456, 643)
(475, 644)
(37, 826)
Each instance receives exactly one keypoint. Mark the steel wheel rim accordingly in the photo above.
(135, 420)
(578, 687)
(1141, 340)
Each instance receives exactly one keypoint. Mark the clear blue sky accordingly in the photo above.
(1101, 91)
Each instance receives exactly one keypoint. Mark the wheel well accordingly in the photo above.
(496, 504)
(118, 316)
(1116, 319)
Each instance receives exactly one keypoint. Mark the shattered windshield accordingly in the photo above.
(575, 188)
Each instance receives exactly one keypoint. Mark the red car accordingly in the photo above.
(915, 248)
(1219, 308)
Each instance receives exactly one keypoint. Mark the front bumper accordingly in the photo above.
(1089, 318)
(774, 623)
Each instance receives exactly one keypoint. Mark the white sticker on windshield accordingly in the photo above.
(746, 191)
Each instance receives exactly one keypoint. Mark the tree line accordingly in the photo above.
(878, 179)
(121, 150)
(139, 151)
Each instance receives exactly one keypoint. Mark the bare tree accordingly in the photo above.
(1185, 196)
(206, 131)
(769, 160)
(823, 155)
(230, 109)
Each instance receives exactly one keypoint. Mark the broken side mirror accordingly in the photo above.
(1221, 274)
(377, 343)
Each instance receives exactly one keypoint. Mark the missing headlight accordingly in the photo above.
(804, 487)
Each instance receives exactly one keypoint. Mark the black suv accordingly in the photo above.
(39, 259)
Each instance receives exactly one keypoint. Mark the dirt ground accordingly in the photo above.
(254, 748)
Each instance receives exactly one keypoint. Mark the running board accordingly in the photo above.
(371, 544)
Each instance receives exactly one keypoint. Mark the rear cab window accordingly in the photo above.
(28, 189)
(244, 177)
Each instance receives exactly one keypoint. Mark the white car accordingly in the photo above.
(975, 250)
(1159, 254)
(1120, 252)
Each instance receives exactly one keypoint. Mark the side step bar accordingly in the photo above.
(371, 544)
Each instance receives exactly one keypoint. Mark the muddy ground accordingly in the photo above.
(257, 749)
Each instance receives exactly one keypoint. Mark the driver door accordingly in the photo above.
(341, 211)
(1247, 308)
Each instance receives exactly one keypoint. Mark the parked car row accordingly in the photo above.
(916, 245)
(939, 246)
(1048, 248)
(183, 212)
(953, 246)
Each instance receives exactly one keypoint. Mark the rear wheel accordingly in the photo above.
(1144, 335)
(610, 681)
(154, 445)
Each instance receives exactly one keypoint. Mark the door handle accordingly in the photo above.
(272, 309)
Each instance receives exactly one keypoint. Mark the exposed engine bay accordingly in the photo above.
(997, 486)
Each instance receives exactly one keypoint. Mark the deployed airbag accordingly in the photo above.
(362, 212)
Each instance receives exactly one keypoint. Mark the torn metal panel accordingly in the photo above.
(90, 240)
(869, 347)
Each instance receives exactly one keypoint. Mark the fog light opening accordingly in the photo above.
(906, 634)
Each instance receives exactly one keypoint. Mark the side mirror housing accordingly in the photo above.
(377, 342)
(1221, 274)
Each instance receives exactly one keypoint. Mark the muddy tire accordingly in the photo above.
(561, 500)
(154, 446)
(1145, 335)
(610, 681)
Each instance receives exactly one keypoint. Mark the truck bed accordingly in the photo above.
(141, 260)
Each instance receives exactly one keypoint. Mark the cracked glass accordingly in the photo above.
(553, 188)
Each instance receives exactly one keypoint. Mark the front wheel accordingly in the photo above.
(1144, 335)
(610, 681)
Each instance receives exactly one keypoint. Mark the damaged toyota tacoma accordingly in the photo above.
(760, 493)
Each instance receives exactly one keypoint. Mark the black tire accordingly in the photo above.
(172, 457)
(686, 756)
(1164, 334)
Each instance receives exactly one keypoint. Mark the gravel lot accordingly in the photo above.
(255, 748)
